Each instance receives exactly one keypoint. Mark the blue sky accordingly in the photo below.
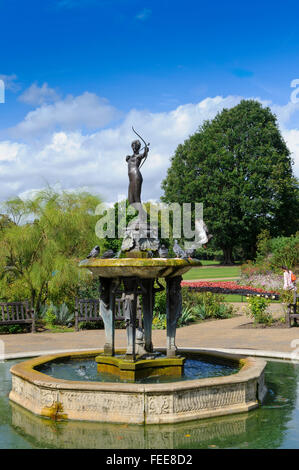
(79, 73)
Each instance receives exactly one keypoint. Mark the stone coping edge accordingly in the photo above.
(293, 356)
(234, 351)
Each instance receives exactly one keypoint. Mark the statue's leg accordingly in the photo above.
(173, 311)
(107, 307)
(148, 306)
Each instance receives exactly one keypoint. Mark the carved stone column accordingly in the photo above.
(107, 309)
(173, 311)
(148, 307)
(130, 306)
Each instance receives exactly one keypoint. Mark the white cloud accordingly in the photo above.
(84, 111)
(10, 82)
(9, 151)
(285, 113)
(291, 137)
(35, 95)
(95, 160)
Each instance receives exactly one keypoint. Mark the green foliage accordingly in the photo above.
(60, 315)
(159, 316)
(160, 301)
(208, 253)
(206, 304)
(63, 315)
(240, 168)
(50, 317)
(40, 249)
(272, 253)
(13, 329)
(188, 316)
(159, 321)
(196, 306)
(287, 296)
(285, 251)
(257, 309)
(93, 325)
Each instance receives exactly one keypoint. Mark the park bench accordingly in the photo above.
(88, 310)
(17, 313)
(291, 313)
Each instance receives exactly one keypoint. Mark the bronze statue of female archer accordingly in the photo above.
(135, 162)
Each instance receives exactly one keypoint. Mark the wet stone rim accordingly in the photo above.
(138, 403)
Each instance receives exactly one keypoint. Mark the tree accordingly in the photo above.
(240, 168)
(39, 258)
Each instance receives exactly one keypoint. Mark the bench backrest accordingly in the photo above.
(11, 312)
(89, 310)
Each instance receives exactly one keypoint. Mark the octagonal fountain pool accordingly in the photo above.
(212, 384)
(275, 424)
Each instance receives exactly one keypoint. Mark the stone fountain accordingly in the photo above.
(136, 274)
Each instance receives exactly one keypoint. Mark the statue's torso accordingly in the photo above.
(133, 163)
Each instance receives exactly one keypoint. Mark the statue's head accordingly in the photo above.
(136, 144)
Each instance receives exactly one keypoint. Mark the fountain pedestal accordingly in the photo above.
(138, 276)
(142, 367)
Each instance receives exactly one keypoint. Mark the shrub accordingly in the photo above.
(209, 254)
(159, 321)
(63, 315)
(188, 316)
(257, 309)
(206, 304)
(50, 317)
(196, 306)
(92, 325)
(53, 315)
(13, 329)
(160, 302)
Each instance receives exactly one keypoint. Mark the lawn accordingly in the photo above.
(226, 272)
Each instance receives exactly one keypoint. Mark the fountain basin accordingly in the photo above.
(147, 268)
(137, 403)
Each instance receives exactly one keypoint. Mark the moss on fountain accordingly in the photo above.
(149, 268)
(141, 368)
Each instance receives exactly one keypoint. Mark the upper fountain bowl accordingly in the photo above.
(148, 268)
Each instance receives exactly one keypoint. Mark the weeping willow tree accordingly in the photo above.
(41, 242)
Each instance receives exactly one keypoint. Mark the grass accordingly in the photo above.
(212, 273)
(58, 328)
(234, 298)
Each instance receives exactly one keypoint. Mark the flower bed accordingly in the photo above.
(228, 288)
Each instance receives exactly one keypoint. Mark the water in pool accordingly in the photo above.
(199, 368)
(274, 425)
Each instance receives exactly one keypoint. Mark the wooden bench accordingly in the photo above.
(17, 313)
(88, 310)
(291, 313)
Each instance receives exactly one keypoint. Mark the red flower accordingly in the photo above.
(224, 286)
